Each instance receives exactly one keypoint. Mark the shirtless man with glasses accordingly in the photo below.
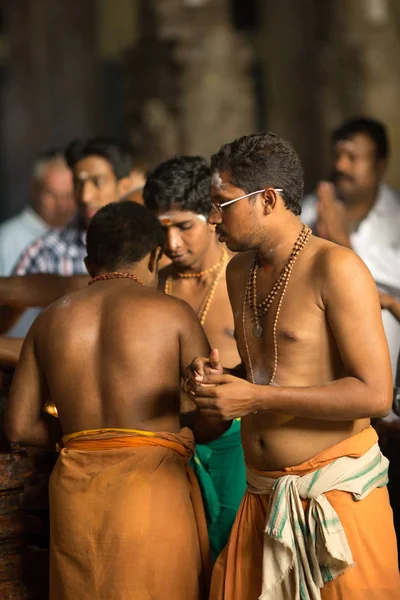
(315, 521)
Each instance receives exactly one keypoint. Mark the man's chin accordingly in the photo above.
(346, 192)
(235, 246)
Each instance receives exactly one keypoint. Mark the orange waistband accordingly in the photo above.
(118, 438)
(354, 446)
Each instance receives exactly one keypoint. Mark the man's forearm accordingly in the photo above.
(10, 350)
(8, 317)
(346, 399)
(394, 308)
(37, 290)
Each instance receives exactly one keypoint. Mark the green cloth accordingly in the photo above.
(221, 473)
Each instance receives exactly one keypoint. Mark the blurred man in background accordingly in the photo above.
(178, 190)
(102, 171)
(356, 209)
(52, 205)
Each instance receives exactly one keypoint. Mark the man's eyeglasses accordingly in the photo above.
(218, 207)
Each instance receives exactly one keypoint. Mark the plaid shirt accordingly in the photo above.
(57, 252)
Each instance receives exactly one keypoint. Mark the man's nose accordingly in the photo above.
(86, 192)
(342, 163)
(173, 240)
(214, 217)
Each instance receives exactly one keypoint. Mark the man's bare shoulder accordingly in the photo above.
(336, 267)
(331, 259)
(148, 302)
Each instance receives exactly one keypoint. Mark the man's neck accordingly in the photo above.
(359, 208)
(275, 251)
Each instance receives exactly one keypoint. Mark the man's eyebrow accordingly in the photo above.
(186, 222)
(218, 196)
(89, 175)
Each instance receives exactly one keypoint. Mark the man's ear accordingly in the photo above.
(89, 268)
(154, 257)
(269, 197)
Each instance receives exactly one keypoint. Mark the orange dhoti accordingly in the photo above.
(242, 571)
(127, 519)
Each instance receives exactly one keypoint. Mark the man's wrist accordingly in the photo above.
(260, 397)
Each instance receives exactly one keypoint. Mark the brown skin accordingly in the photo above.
(137, 180)
(357, 174)
(391, 304)
(18, 293)
(52, 195)
(95, 185)
(135, 196)
(95, 353)
(192, 246)
(333, 361)
(10, 350)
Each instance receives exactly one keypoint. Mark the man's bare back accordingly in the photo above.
(112, 355)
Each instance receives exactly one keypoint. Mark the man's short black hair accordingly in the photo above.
(263, 160)
(374, 129)
(121, 234)
(182, 183)
(116, 153)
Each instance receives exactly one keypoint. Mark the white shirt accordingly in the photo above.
(15, 235)
(377, 242)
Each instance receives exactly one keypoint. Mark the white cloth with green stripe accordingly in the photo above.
(304, 550)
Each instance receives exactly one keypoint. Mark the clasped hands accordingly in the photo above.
(219, 395)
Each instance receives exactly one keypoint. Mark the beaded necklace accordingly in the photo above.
(116, 275)
(262, 308)
(219, 267)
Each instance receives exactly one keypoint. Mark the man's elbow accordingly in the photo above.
(15, 432)
(381, 403)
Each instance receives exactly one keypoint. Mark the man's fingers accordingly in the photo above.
(196, 368)
(202, 391)
(215, 362)
(215, 380)
(204, 403)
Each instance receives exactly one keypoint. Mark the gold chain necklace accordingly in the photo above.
(200, 273)
(250, 296)
(205, 305)
(263, 307)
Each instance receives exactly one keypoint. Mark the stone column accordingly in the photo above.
(50, 90)
(188, 83)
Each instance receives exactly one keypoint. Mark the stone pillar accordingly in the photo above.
(289, 42)
(49, 93)
(188, 83)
